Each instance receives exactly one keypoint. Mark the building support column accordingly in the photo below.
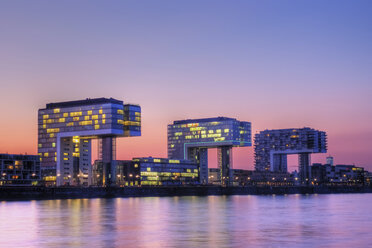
(279, 163)
(108, 157)
(200, 156)
(225, 164)
(304, 167)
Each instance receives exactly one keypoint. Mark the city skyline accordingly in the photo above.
(272, 66)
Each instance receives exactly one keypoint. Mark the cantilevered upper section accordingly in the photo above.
(99, 116)
(209, 132)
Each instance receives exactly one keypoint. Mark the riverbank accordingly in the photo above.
(34, 193)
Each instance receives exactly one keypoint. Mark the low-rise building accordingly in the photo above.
(150, 171)
(19, 170)
(339, 174)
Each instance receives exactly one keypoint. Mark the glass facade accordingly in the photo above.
(65, 130)
(160, 171)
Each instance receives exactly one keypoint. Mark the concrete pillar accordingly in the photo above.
(304, 167)
(108, 153)
(225, 164)
(279, 163)
(200, 156)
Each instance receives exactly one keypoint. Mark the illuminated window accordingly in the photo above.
(95, 117)
(121, 122)
(85, 123)
(86, 118)
(56, 111)
(100, 111)
(120, 112)
(46, 154)
(52, 130)
(70, 124)
(90, 112)
(54, 144)
(96, 126)
(44, 126)
(65, 114)
(76, 118)
(73, 114)
(45, 116)
(103, 121)
(62, 120)
(40, 145)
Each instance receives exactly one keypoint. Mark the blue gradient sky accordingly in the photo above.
(278, 64)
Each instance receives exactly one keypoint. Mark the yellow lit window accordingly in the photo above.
(65, 114)
(100, 111)
(120, 122)
(50, 121)
(54, 144)
(73, 114)
(120, 112)
(226, 130)
(96, 126)
(52, 130)
(45, 116)
(103, 121)
(56, 111)
(96, 122)
(76, 118)
(156, 160)
(86, 118)
(65, 158)
(95, 117)
(65, 154)
(90, 112)
(44, 126)
(51, 135)
(103, 116)
(62, 120)
(85, 123)
(70, 124)
(46, 154)
(40, 145)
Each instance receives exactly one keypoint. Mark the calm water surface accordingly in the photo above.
(343, 220)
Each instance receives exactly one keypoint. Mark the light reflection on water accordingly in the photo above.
(342, 220)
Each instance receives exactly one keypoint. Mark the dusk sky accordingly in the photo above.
(277, 64)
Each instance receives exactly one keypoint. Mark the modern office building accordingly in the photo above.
(190, 140)
(151, 171)
(65, 132)
(273, 146)
(19, 170)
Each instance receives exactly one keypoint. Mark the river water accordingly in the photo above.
(338, 220)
